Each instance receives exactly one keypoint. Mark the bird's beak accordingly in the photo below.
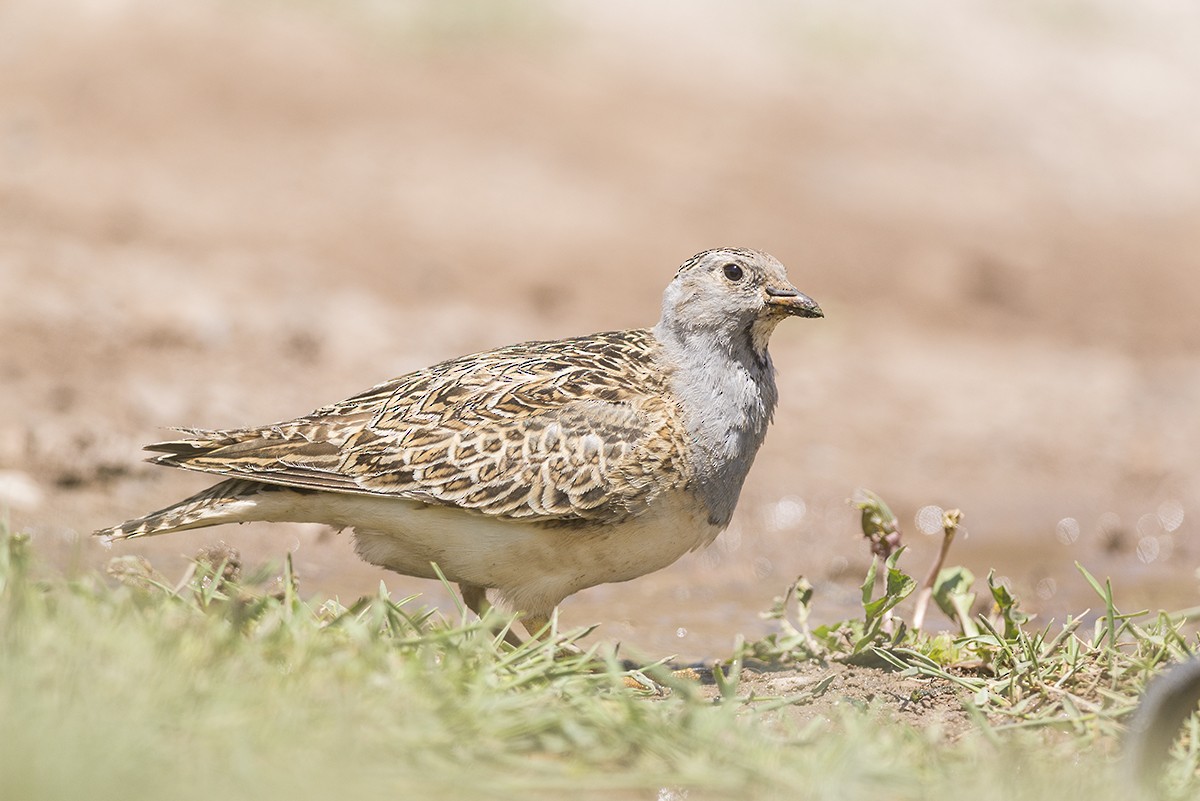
(790, 300)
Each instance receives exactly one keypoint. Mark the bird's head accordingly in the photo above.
(732, 293)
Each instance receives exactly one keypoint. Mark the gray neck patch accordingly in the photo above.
(726, 389)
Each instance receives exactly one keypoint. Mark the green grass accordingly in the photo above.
(213, 689)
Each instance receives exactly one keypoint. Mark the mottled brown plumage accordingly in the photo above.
(575, 430)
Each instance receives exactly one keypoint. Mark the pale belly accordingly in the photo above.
(534, 566)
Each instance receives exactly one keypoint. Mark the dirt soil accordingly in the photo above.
(219, 214)
(925, 703)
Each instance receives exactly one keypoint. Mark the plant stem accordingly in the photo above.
(950, 521)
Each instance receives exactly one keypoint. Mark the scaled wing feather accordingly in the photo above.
(572, 430)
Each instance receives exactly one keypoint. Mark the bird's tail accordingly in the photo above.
(227, 502)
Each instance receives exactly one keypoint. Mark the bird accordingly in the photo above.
(534, 470)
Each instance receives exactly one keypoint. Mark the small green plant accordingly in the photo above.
(953, 594)
(1068, 676)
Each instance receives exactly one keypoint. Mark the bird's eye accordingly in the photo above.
(733, 272)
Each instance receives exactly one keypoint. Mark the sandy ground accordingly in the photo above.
(218, 214)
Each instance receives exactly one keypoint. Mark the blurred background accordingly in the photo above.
(228, 213)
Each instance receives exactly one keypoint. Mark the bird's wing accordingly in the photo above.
(578, 429)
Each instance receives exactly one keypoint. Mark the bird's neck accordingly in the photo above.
(726, 391)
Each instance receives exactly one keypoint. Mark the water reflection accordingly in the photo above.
(1149, 525)
(838, 567)
(786, 513)
(929, 520)
(1067, 530)
(1047, 588)
(1148, 549)
(1170, 515)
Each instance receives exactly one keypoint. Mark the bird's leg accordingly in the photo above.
(538, 626)
(475, 597)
